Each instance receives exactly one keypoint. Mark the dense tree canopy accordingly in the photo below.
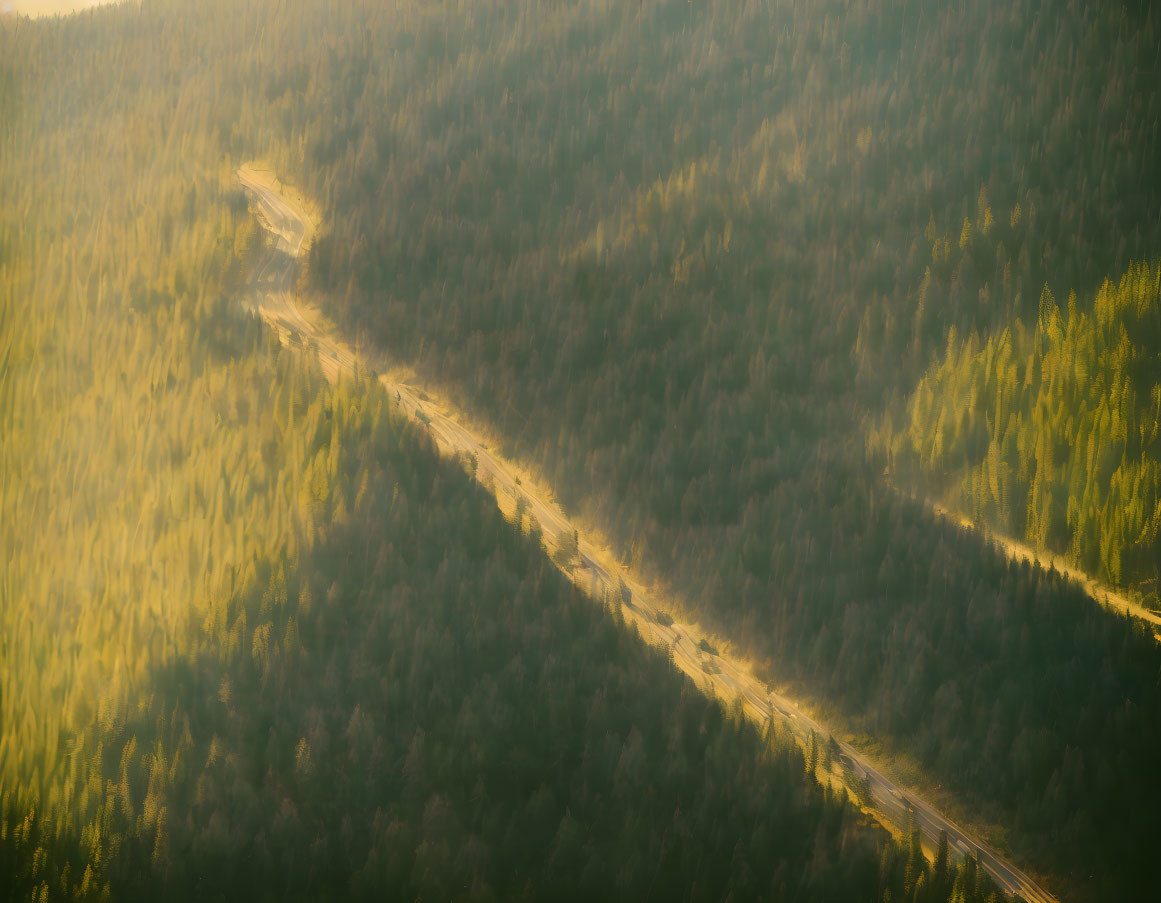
(258, 641)
(679, 254)
(1053, 430)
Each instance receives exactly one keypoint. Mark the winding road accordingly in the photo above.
(593, 569)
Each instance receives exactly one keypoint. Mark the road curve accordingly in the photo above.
(592, 569)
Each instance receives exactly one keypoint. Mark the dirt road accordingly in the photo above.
(592, 568)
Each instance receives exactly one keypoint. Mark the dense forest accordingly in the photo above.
(686, 256)
(1053, 430)
(676, 252)
(258, 641)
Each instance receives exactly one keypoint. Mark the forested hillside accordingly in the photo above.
(673, 252)
(676, 251)
(1052, 430)
(258, 641)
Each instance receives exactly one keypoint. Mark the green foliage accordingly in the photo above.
(670, 249)
(258, 642)
(1053, 430)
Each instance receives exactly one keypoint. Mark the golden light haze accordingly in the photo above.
(36, 8)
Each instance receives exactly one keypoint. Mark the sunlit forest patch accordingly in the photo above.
(1052, 428)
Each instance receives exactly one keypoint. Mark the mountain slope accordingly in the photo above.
(258, 641)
